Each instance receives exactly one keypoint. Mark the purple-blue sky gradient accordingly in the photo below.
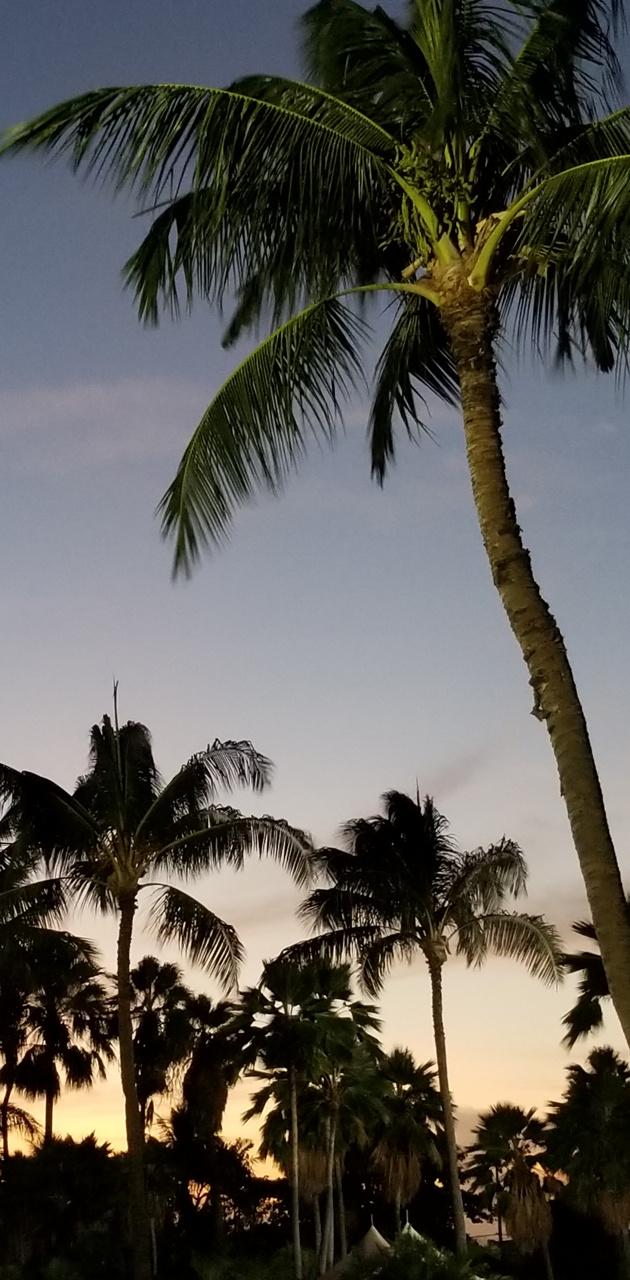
(353, 634)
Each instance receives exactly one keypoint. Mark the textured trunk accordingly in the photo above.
(499, 1214)
(4, 1114)
(138, 1210)
(295, 1176)
(327, 1255)
(341, 1208)
(317, 1226)
(48, 1116)
(547, 1262)
(459, 1221)
(398, 1213)
(470, 323)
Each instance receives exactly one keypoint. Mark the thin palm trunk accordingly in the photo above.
(295, 1175)
(547, 1262)
(459, 1220)
(327, 1255)
(341, 1207)
(4, 1111)
(317, 1225)
(398, 1213)
(498, 1203)
(48, 1116)
(138, 1209)
(470, 322)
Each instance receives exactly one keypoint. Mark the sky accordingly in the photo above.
(352, 633)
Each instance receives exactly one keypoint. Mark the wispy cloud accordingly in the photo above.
(77, 426)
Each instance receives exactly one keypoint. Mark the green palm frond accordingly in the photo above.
(240, 159)
(253, 433)
(203, 937)
(416, 355)
(529, 939)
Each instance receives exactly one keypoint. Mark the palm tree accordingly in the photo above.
(211, 1064)
(406, 1140)
(587, 1014)
(528, 1213)
(298, 1021)
(119, 832)
(474, 164)
(504, 1135)
(67, 1022)
(162, 1030)
(588, 1138)
(400, 888)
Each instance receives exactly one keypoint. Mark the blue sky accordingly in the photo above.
(352, 633)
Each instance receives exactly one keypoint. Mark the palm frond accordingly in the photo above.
(529, 939)
(221, 767)
(415, 355)
(203, 937)
(34, 905)
(378, 957)
(46, 820)
(228, 837)
(484, 877)
(23, 1123)
(253, 433)
(241, 173)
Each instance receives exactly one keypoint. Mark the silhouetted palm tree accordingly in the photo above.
(119, 832)
(475, 176)
(162, 1030)
(406, 1138)
(400, 889)
(504, 1135)
(68, 1022)
(587, 1014)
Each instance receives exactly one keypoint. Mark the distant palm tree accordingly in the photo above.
(588, 1138)
(587, 1014)
(298, 1022)
(400, 889)
(53, 1013)
(505, 1134)
(406, 1138)
(118, 833)
(211, 1065)
(162, 1030)
(476, 176)
(528, 1213)
(68, 1022)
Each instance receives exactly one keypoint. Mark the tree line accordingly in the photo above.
(398, 887)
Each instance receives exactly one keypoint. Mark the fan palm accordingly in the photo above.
(471, 166)
(211, 1066)
(68, 1022)
(119, 831)
(162, 1030)
(400, 888)
(528, 1213)
(299, 1023)
(406, 1138)
(587, 1014)
(588, 1137)
(504, 1135)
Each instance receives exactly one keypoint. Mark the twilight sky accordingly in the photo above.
(353, 634)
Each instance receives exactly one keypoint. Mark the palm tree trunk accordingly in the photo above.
(459, 1220)
(398, 1213)
(471, 326)
(138, 1209)
(317, 1225)
(48, 1116)
(4, 1114)
(498, 1202)
(327, 1255)
(547, 1262)
(341, 1204)
(295, 1176)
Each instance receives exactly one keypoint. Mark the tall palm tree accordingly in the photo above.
(118, 833)
(505, 1134)
(68, 1022)
(587, 1014)
(474, 163)
(399, 888)
(295, 1023)
(406, 1138)
(162, 1030)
